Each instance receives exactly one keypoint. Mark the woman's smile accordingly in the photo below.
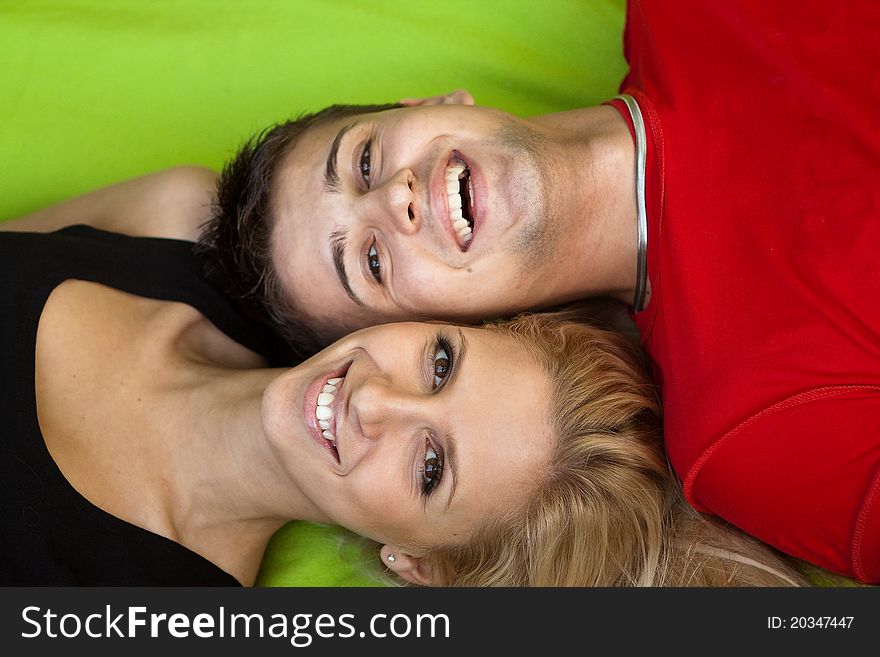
(322, 404)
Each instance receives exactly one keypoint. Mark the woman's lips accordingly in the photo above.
(310, 404)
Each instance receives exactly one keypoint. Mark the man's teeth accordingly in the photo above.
(324, 409)
(459, 223)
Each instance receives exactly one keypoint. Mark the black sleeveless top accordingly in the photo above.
(49, 533)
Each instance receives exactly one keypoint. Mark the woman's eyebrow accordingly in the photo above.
(460, 357)
(452, 457)
(331, 177)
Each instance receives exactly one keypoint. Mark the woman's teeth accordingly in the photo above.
(454, 174)
(324, 409)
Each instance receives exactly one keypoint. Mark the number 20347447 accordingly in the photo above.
(809, 622)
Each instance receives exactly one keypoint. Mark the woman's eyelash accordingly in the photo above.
(442, 361)
(432, 469)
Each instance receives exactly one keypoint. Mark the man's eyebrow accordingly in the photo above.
(331, 177)
(451, 446)
(338, 242)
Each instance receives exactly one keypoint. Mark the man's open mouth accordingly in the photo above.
(460, 191)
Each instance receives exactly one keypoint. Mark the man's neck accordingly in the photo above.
(593, 158)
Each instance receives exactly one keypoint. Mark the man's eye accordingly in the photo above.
(364, 163)
(432, 471)
(373, 262)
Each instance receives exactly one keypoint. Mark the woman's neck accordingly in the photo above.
(223, 491)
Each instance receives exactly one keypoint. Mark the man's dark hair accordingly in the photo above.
(236, 240)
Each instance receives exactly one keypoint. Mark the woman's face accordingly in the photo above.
(424, 430)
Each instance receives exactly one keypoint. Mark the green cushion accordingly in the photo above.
(97, 91)
(303, 554)
(819, 577)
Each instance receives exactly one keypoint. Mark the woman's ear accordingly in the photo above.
(414, 570)
(457, 97)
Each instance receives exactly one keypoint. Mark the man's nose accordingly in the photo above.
(394, 205)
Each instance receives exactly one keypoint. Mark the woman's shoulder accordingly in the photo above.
(177, 202)
(172, 203)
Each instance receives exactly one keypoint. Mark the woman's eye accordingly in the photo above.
(373, 262)
(432, 471)
(442, 364)
(364, 164)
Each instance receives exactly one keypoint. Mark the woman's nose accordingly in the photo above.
(383, 408)
(393, 204)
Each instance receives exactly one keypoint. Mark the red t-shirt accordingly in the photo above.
(763, 200)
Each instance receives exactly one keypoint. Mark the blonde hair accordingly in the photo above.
(608, 512)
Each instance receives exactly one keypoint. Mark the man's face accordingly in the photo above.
(367, 227)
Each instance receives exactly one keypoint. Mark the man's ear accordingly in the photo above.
(414, 570)
(457, 97)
